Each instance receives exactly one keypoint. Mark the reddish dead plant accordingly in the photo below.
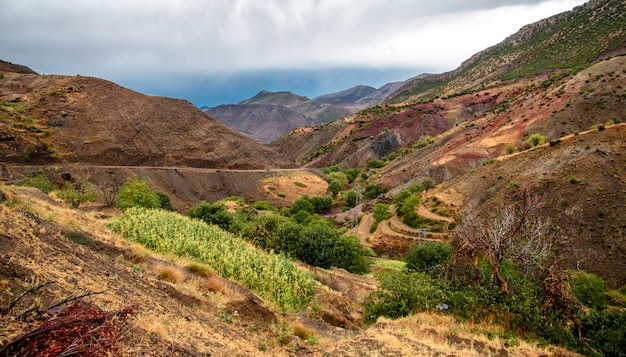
(80, 330)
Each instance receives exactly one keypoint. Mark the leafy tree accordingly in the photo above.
(352, 174)
(136, 192)
(351, 198)
(321, 203)
(381, 212)
(318, 248)
(302, 204)
(408, 205)
(401, 196)
(212, 213)
(288, 238)
(349, 255)
(427, 256)
(339, 177)
(334, 187)
(428, 183)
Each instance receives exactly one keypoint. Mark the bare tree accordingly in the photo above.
(506, 231)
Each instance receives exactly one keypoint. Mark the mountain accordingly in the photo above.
(268, 115)
(63, 119)
(360, 97)
(569, 40)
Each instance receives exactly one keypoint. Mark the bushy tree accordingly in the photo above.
(430, 256)
(428, 183)
(381, 212)
(351, 197)
(212, 213)
(352, 174)
(288, 238)
(136, 192)
(334, 187)
(302, 204)
(339, 177)
(350, 256)
(536, 139)
(321, 203)
(318, 248)
(408, 205)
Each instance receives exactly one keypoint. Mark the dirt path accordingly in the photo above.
(424, 212)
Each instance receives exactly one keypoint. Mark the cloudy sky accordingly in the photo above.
(214, 52)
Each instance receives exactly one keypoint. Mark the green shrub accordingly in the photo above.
(589, 289)
(375, 164)
(136, 192)
(299, 184)
(38, 179)
(352, 174)
(373, 191)
(430, 256)
(329, 169)
(402, 293)
(164, 201)
(263, 206)
(212, 213)
(536, 139)
(574, 180)
(604, 334)
(75, 194)
(321, 203)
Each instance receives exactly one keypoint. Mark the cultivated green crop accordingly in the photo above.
(273, 277)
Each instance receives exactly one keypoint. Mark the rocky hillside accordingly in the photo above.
(569, 40)
(267, 115)
(48, 119)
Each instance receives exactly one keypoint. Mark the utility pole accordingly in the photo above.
(355, 221)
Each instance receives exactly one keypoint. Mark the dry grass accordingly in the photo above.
(170, 274)
(200, 269)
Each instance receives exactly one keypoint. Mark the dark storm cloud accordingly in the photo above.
(142, 39)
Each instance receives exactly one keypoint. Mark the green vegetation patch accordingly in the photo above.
(273, 277)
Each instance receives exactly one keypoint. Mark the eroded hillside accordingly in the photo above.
(47, 119)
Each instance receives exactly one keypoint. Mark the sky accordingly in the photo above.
(213, 52)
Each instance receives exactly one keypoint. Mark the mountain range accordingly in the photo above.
(267, 115)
